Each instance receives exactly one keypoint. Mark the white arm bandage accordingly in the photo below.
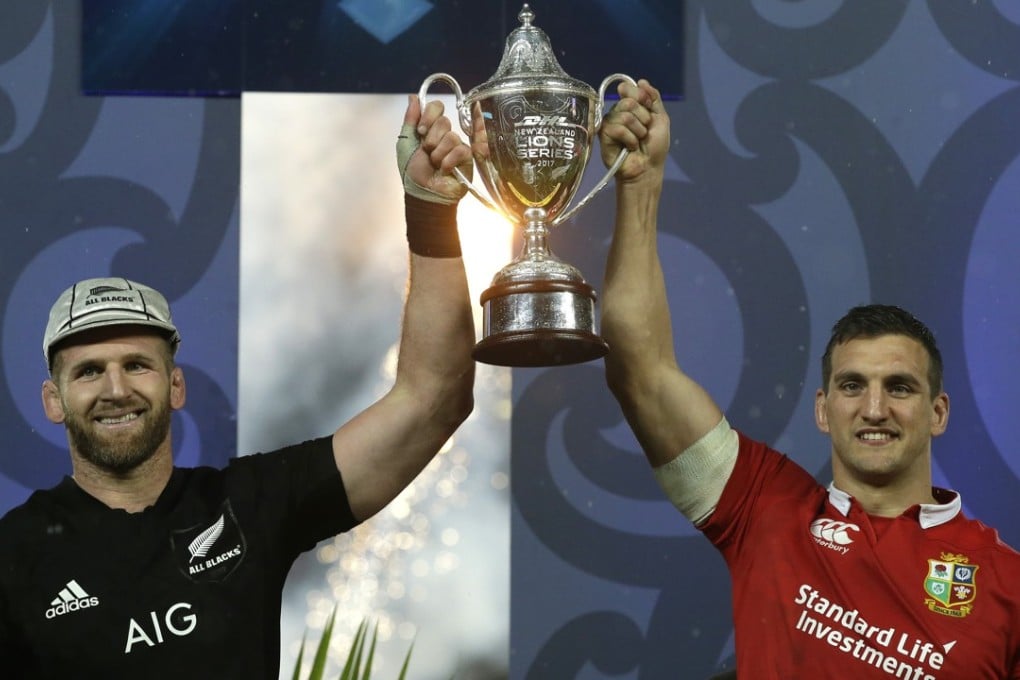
(695, 479)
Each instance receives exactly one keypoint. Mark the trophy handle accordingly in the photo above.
(464, 116)
(620, 158)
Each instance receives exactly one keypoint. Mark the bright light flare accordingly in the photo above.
(486, 236)
(486, 239)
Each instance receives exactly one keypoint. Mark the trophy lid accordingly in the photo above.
(528, 62)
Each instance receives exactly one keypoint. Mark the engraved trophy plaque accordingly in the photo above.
(531, 129)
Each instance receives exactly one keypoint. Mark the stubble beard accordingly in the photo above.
(877, 468)
(120, 454)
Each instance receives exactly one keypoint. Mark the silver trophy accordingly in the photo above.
(531, 129)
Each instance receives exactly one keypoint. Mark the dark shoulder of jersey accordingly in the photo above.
(289, 491)
(189, 587)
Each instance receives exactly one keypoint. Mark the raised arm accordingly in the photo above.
(665, 408)
(381, 450)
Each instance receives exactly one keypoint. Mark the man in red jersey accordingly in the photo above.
(878, 575)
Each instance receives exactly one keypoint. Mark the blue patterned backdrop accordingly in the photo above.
(94, 186)
(371, 46)
(826, 153)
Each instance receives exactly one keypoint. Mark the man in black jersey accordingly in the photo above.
(134, 568)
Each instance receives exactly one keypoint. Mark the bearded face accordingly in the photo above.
(121, 451)
(114, 392)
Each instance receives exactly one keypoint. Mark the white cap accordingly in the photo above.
(94, 303)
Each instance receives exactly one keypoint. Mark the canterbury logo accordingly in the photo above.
(71, 598)
(205, 540)
(833, 531)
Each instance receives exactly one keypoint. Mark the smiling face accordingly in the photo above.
(879, 410)
(114, 390)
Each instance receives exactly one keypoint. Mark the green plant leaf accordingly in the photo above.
(353, 665)
(322, 651)
(371, 653)
(356, 657)
(300, 658)
(407, 660)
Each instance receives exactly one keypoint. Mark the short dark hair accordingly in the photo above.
(872, 321)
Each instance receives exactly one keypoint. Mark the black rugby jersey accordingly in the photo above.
(188, 588)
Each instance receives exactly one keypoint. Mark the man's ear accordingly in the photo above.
(178, 392)
(821, 417)
(940, 411)
(53, 406)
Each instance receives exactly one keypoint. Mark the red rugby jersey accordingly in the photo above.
(823, 590)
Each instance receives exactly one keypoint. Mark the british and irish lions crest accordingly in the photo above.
(531, 129)
(951, 585)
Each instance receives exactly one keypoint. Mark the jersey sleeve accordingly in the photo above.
(760, 479)
(298, 491)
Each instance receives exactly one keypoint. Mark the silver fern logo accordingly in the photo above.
(205, 540)
(212, 549)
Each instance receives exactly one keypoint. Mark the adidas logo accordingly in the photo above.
(71, 598)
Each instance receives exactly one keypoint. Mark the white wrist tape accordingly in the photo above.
(407, 144)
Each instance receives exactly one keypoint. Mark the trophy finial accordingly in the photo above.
(528, 51)
(526, 16)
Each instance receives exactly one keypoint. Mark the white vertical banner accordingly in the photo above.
(323, 261)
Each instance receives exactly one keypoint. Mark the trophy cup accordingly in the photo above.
(531, 129)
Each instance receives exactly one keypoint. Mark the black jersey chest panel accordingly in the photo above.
(189, 587)
(210, 552)
(134, 590)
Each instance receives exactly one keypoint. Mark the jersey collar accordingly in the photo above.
(930, 514)
(80, 501)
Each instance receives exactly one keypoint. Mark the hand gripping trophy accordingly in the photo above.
(531, 129)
